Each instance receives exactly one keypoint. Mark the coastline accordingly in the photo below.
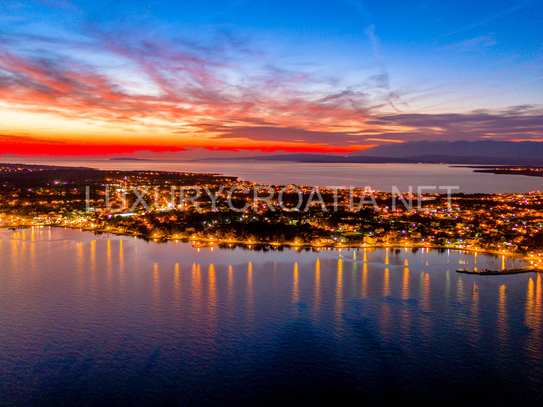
(203, 242)
(476, 223)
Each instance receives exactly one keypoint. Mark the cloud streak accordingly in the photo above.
(222, 94)
(519, 122)
(473, 44)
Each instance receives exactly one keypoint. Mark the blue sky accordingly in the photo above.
(270, 75)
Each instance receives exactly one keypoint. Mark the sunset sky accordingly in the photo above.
(118, 77)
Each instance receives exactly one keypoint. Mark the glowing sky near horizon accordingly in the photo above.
(117, 77)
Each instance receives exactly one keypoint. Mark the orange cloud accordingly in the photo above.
(188, 102)
(170, 97)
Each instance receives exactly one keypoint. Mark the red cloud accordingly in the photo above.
(34, 146)
(189, 88)
(190, 94)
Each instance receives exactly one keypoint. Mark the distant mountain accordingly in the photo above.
(319, 158)
(478, 149)
(128, 159)
(455, 152)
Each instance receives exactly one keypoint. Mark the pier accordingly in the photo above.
(487, 272)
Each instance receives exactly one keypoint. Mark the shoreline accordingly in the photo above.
(202, 243)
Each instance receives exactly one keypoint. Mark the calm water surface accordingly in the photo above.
(106, 320)
(377, 176)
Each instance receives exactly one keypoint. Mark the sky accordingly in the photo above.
(190, 78)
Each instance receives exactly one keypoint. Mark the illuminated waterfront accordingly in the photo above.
(508, 224)
(95, 317)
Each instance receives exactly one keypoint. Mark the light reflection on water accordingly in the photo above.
(87, 318)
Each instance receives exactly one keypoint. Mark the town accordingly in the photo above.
(162, 206)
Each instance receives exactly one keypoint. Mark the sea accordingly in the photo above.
(382, 177)
(102, 320)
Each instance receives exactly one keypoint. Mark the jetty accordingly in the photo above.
(487, 272)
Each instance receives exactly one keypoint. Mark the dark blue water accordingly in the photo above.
(98, 320)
